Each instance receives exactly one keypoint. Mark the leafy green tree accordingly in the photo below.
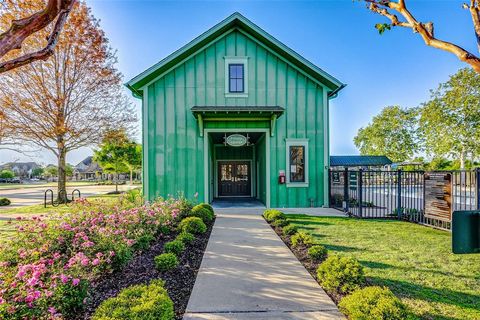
(7, 174)
(51, 171)
(133, 159)
(37, 172)
(113, 153)
(450, 121)
(392, 133)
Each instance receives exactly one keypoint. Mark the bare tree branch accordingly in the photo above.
(426, 30)
(20, 29)
(474, 9)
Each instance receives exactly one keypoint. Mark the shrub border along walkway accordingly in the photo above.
(175, 275)
(178, 281)
(341, 277)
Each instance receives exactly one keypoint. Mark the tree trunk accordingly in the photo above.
(116, 183)
(62, 175)
(131, 176)
(462, 159)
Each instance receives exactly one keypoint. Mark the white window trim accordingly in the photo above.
(296, 142)
(236, 60)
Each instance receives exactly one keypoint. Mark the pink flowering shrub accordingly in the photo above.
(46, 268)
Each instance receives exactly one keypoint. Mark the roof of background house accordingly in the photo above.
(87, 165)
(359, 161)
(238, 21)
(27, 165)
(86, 162)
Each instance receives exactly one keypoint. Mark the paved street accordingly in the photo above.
(35, 195)
(247, 272)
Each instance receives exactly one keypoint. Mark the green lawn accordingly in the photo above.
(414, 261)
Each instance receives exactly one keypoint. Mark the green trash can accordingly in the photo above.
(466, 232)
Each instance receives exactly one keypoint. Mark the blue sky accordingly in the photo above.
(338, 36)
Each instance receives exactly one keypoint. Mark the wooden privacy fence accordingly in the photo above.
(418, 196)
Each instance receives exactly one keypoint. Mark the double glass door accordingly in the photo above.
(234, 179)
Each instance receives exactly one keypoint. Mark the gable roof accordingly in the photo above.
(359, 161)
(238, 21)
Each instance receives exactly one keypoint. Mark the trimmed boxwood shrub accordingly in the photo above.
(201, 212)
(193, 225)
(138, 302)
(340, 274)
(273, 214)
(373, 303)
(301, 237)
(289, 230)
(317, 253)
(166, 261)
(4, 202)
(185, 237)
(280, 223)
(208, 206)
(175, 247)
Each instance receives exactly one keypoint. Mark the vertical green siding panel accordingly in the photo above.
(159, 143)
(252, 72)
(261, 68)
(200, 79)
(210, 64)
(170, 135)
(180, 129)
(150, 109)
(220, 72)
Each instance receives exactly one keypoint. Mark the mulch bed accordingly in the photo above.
(141, 269)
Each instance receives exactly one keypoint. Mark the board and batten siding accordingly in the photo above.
(175, 157)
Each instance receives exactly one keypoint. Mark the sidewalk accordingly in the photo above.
(247, 272)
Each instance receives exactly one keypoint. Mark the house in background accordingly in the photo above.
(22, 170)
(360, 162)
(87, 169)
(235, 113)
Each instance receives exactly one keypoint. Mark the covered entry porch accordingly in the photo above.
(237, 151)
(237, 167)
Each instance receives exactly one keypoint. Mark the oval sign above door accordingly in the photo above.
(236, 140)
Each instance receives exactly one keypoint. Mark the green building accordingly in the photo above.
(235, 113)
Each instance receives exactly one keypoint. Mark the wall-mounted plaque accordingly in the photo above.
(438, 195)
(236, 140)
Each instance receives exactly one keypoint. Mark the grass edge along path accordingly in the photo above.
(414, 261)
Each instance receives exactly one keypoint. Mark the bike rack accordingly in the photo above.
(73, 194)
(60, 194)
(45, 197)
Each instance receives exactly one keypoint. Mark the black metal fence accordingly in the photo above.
(400, 194)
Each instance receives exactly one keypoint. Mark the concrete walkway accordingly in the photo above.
(247, 272)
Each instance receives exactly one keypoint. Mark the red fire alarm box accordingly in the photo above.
(281, 177)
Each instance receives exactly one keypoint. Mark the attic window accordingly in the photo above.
(236, 77)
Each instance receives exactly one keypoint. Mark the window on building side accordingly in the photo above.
(297, 163)
(236, 78)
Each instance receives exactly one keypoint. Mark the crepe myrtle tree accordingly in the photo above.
(23, 19)
(70, 100)
(400, 16)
